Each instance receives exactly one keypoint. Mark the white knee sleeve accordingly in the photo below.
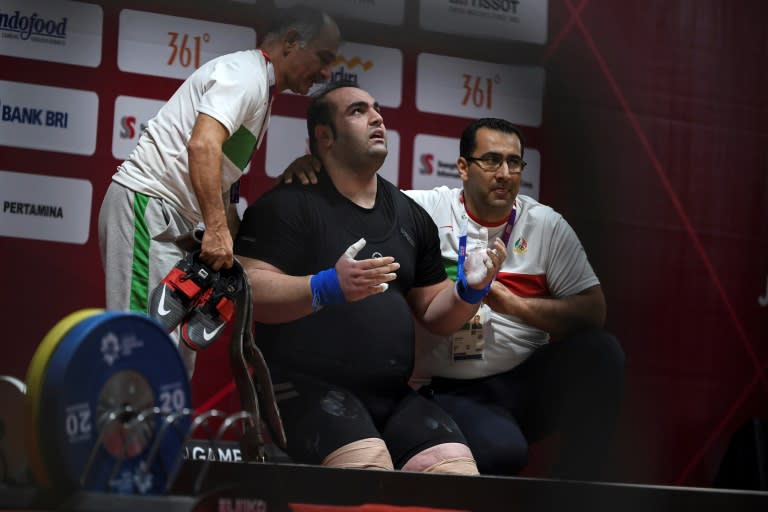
(454, 466)
(368, 453)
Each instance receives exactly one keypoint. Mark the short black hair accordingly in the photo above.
(319, 110)
(468, 141)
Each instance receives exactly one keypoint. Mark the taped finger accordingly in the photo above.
(355, 248)
(380, 288)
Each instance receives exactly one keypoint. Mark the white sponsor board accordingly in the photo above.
(131, 118)
(388, 12)
(377, 69)
(434, 165)
(171, 46)
(473, 89)
(287, 140)
(518, 20)
(49, 118)
(55, 31)
(434, 162)
(45, 207)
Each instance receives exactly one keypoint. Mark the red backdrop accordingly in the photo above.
(651, 145)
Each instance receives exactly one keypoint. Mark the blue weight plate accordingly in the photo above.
(106, 363)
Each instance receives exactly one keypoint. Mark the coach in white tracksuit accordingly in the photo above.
(188, 162)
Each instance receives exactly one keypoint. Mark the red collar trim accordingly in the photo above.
(482, 222)
(270, 73)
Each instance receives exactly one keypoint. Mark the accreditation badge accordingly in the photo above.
(468, 343)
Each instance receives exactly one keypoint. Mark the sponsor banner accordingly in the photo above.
(221, 451)
(45, 207)
(48, 118)
(376, 69)
(388, 12)
(61, 31)
(171, 46)
(131, 118)
(473, 89)
(434, 165)
(390, 169)
(287, 140)
(518, 20)
(434, 162)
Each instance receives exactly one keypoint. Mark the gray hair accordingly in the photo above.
(307, 21)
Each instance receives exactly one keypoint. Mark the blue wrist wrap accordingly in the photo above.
(326, 289)
(467, 293)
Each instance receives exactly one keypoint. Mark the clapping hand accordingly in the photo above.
(362, 278)
(482, 265)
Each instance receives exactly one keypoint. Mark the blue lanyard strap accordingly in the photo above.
(463, 240)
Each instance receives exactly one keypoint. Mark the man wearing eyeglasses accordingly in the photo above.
(542, 362)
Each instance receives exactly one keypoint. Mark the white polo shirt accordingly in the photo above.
(544, 259)
(234, 90)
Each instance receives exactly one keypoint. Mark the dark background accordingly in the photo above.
(652, 146)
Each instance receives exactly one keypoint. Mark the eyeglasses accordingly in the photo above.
(492, 162)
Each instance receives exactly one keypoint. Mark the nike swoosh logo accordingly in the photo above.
(161, 307)
(208, 335)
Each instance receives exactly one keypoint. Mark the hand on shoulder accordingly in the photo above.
(305, 169)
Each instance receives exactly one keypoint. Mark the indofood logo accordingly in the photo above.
(34, 27)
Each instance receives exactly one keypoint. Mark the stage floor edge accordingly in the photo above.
(238, 486)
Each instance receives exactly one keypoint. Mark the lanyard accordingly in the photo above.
(463, 238)
(508, 228)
